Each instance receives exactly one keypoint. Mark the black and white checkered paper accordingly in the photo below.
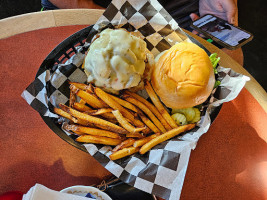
(162, 170)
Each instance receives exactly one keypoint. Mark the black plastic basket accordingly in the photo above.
(60, 55)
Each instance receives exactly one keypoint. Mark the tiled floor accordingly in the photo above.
(252, 17)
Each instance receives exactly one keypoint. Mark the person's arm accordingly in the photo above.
(69, 4)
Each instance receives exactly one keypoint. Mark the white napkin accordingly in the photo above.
(40, 192)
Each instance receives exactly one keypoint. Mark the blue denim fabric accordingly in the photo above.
(47, 5)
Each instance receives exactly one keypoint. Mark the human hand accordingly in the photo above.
(225, 9)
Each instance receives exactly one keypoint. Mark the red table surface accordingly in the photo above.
(229, 162)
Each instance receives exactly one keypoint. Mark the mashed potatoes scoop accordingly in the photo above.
(118, 60)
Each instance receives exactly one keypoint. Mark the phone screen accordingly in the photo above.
(222, 30)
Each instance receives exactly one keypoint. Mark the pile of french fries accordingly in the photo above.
(128, 122)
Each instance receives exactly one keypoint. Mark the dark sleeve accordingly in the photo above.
(103, 3)
(178, 9)
(47, 5)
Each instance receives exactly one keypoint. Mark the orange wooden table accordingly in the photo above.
(229, 162)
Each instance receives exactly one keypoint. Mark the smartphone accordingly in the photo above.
(220, 31)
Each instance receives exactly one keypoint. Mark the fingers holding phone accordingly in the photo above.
(224, 9)
(222, 32)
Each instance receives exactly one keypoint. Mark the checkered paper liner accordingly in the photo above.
(162, 170)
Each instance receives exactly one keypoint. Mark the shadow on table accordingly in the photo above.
(54, 177)
(229, 163)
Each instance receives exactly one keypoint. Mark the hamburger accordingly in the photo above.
(183, 76)
(117, 60)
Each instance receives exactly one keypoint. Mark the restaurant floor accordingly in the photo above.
(252, 17)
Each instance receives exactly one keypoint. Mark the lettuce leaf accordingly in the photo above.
(214, 59)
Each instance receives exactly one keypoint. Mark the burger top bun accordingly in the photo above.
(183, 77)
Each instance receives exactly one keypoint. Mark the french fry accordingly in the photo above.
(72, 98)
(94, 120)
(99, 111)
(165, 136)
(125, 124)
(65, 114)
(83, 64)
(65, 127)
(123, 153)
(141, 142)
(82, 86)
(88, 97)
(127, 143)
(82, 101)
(146, 111)
(134, 135)
(124, 103)
(84, 108)
(98, 140)
(71, 118)
(81, 107)
(159, 105)
(91, 99)
(148, 123)
(79, 133)
(151, 107)
(91, 131)
(109, 116)
(116, 106)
